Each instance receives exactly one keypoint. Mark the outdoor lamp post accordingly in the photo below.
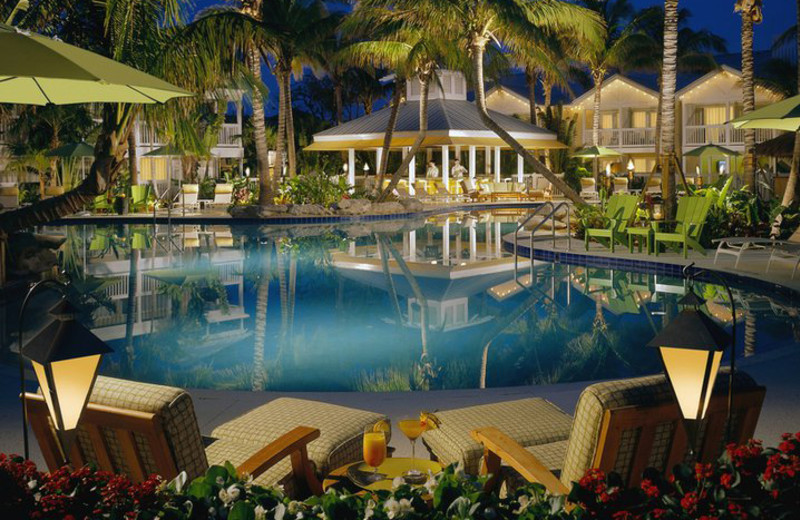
(691, 348)
(65, 357)
(366, 169)
(631, 167)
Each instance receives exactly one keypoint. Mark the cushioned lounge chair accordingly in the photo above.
(782, 250)
(622, 426)
(187, 197)
(139, 429)
(589, 191)
(9, 197)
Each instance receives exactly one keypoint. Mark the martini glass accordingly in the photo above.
(413, 428)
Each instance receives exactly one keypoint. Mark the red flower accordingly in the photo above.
(726, 480)
(622, 515)
(650, 489)
(689, 502)
(703, 471)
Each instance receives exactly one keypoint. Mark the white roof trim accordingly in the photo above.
(702, 79)
(435, 133)
(501, 88)
(608, 82)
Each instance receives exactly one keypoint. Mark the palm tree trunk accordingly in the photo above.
(547, 85)
(284, 295)
(425, 81)
(477, 47)
(133, 165)
(291, 146)
(260, 334)
(530, 80)
(280, 137)
(387, 136)
(390, 282)
(669, 79)
(748, 99)
(484, 364)
(338, 100)
(749, 334)
(416, 289)
(265, 184)
(597, 78)
(790, 193)
(658, 116)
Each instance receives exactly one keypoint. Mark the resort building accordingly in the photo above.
(629, 108)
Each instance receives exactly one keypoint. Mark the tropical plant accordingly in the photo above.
(751, 14)
(555, 120)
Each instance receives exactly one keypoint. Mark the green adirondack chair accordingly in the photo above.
(619, 211)
(140, 195)
(101, 204)
(689, 222)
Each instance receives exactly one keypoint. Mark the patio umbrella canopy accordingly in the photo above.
(593, 152)
(36, 70)
(72, 151)
(783, 115)
(711, 149)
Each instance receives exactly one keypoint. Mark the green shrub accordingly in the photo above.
(315, 187)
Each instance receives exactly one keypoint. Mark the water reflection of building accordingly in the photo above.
(170, 255)
(451, 260)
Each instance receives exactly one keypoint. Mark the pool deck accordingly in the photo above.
(777, 370)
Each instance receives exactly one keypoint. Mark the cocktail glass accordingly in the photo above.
(413, 428)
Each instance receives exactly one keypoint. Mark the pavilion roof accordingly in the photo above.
(450, 121)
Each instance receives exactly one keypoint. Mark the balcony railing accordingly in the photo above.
(624, 137)
(230, 135)
(721, 134)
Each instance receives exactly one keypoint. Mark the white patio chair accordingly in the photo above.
(785, 251)
(9, 197)
(187, 198)
(589, 189)
(223, 195)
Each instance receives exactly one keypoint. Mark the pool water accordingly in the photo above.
(301, 308)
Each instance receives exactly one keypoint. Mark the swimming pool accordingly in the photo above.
(340, 308)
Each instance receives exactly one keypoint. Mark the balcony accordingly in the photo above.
(721, 134)
(230, 135)
(624, 137)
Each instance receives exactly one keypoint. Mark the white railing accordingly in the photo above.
(721, 134)
(623, 137)
(118, 288)
(230, 272)
(230, 135)
(148, 136)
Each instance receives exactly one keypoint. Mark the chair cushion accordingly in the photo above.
(528, 421)
(174, 409)
(341, 429)
(235, 452)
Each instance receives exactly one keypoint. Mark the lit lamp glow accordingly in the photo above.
(691, 349)
(65, 357)
(366, 169)
(631, 167)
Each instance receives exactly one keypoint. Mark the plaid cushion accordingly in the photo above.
(172, 406)
(528, 421)
(224, 450)
(341, 429)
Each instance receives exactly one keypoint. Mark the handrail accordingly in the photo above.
(553, 210)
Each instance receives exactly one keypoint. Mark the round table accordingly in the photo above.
(391, 467)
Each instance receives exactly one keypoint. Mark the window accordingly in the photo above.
(643, 118)
(608, 119)
(153, 169)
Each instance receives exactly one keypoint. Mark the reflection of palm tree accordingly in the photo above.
(749, 333)
(133, 287)
(415, 288)
(390, 282)
(262, 302)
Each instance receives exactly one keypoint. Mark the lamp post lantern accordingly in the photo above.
(66, 357)
(691, 347)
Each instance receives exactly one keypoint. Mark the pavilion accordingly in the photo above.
(453, 125)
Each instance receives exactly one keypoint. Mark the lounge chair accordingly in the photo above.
(140, 198)
(689, 222)
(653, 187)
(589, 190)
(223, 195)
(187, 198)
(9, 197)
(781, 249)
(621, 185)
(619, 212)
(140, 428)
(473, 191)
(621, 426)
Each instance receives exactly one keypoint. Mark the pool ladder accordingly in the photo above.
(551, 216)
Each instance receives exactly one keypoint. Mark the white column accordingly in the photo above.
(428, 155)
(351, 248)
(473, 240)
(458, 245)
(378, 159)
(488, 240)
(498, 239)
(446, 166)
(446, 243)
(412, 175)
(351, 166)
(496, 164)
(405, 245)
(458, 152)
(487, 169)
(472, 162)
(412, 246)
(520, 168)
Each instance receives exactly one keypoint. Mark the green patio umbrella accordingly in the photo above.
(783, 115)
(72, 151)
(593, 152)
(710, 150)
(37, 70)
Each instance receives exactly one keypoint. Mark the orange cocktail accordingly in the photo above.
(374, 448)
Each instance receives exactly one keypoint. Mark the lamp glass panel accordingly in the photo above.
(714, 370)
(73, 380)
(41, 375)
(686, 369)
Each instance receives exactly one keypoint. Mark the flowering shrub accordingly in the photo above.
(747, 482)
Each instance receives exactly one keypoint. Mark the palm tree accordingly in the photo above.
(792, 191)
(669, 79)
(476, 24)
(751, 14)
(262, 305)
(621, 40)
